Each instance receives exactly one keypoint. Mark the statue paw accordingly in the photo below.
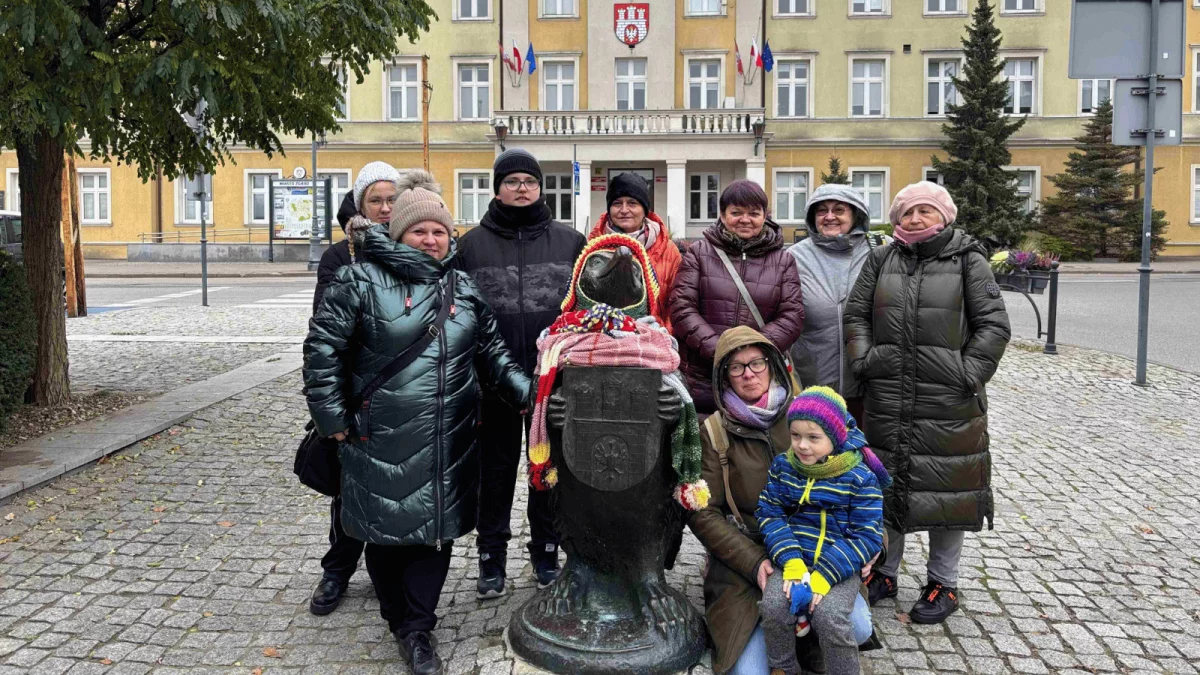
(564, 597)
(556, 410)
(664, 611)
(670, 405)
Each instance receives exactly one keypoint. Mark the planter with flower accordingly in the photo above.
(1027, 271)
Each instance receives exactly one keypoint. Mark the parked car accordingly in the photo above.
(10, 234)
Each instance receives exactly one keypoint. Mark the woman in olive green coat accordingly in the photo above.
(409, 468)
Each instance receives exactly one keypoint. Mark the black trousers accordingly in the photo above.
(341, 560)
(499, 455)
(408, 581)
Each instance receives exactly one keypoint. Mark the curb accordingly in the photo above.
(189, 275)
(1122, 272)
(39, 460)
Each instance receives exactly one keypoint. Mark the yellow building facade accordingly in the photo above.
(865, 80)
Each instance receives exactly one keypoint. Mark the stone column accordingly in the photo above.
(677, 197)
(756, 170)
(583, 202)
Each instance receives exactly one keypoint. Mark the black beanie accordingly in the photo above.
(629, 185)
(347, 210)
(515, 160)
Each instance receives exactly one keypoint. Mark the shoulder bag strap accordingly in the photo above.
(720, 441)
(406, 357)
(741, 286)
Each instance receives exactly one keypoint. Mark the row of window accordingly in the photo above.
(481, 10)
(94, 195)
(794, 87)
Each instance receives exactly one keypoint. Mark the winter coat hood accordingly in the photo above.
(840, 193)
(402, 260)
(740, 337)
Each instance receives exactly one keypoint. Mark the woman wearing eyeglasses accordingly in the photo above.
(522, 261)
(752, 389)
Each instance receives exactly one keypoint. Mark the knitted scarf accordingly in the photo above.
(763, 413)
(852, 453)
(646, 235)
(604, 336)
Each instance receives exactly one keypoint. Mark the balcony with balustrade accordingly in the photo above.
(622, 124)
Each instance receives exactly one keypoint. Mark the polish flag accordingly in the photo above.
(505, 57)
(516, 55)
(756, 60)
(738, 55)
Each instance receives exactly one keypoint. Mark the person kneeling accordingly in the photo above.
(821, 515)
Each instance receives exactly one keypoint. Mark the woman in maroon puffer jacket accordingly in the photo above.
(705, 301)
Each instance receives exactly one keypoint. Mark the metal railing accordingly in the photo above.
(622, 122)
(235, 235)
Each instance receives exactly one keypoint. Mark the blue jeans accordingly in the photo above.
(860, 620)
(753, 660)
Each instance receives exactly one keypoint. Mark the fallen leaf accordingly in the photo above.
(10, 540)
(903, 617)
(1146, 529)
(159, 509)
(225, 523)
(272, 653)
(200, 482)
(207, 614)
(10, 516)
(107, 662)
(154, 564)
(155, 521)
(256, 671)
(103, 460)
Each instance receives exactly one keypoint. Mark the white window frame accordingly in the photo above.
(458, 11)
(704, 192)
(181, 209)
(1112, 85)
(545, 60)
(107, 173)
(886, 199)
(687, 78)
(565, 190)
(248, 196)
(957, 95)
(885, 108)
(630, 80)
(812, 10)
(808, 108)
(885, 8)
(1036, 57)
(1194, 193)
(387, 89)
(1196, 77)
(488, 193)
(1036, 196)
(339, 196)
(12, 189)
(961, 11)
(809, 172)
(689, 11)
(343, 75)
(1038, 7)
(938, 177)
(458, 113)
(544, 13)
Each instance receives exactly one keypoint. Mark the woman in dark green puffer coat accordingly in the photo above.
(925, 329)
(410, 487)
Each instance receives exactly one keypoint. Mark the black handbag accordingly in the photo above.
(317, 464)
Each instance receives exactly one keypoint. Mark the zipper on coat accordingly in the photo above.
(437, 455)
(521, 294)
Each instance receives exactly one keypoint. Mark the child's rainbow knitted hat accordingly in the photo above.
(825, 408)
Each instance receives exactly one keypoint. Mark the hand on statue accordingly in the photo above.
(764, 570)
(669, 404)
(556, 411)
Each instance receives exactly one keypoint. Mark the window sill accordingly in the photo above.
(786, 118)
(473, 119)
(95, 223)
(794, 16)
(945, 15)
(868, 117)
(873, 15)
(416, 121)
(1018, 13)
(558, 17)
(485, 19)
(715, 15)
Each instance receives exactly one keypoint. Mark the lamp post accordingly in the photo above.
(760, 127)
(196, 124)
(501, 131)
(314, 234)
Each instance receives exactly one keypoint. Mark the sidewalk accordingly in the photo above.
(118, 269)
(1160, 266)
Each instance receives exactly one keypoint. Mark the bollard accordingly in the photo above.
(1052, 320)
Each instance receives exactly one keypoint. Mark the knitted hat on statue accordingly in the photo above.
(591, 261)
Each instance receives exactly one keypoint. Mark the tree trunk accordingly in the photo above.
(40, 160)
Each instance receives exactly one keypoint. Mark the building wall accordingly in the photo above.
(558, 39)
(704, 37)
(604, 49)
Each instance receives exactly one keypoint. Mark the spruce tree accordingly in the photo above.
(1094, 211)
(836, 173)
(977, 132)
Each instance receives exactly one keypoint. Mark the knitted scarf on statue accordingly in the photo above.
(604, 336)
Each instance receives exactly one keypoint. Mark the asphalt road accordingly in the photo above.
(1100, 311)
(1097, 311)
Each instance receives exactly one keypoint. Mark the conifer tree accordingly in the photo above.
(977, 133)
(836, 173)
(1094, 211)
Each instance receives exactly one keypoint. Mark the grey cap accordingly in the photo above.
(839, 192)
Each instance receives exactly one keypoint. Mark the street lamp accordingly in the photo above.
(501, 131)
(195, 122)
(314, 235)
(760, 126)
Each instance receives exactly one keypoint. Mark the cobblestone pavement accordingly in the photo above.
(193, 321)
(195, 551)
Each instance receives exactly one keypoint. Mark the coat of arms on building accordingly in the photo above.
(631, 21)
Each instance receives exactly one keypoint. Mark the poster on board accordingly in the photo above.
(292, 208)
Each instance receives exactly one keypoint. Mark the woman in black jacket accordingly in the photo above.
(925, 329)
(375, 191)
(409, 462)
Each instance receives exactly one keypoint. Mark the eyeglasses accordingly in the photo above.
(756, 366)
(514, 184)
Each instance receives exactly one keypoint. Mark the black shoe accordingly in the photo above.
(880, 586)
(935, 604)
(491, 576)
(545, 565)
(417, 648)
(326, 596)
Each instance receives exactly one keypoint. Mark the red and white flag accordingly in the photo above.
(505, 57)
(756, 60)
(738, 55)
(516, 55)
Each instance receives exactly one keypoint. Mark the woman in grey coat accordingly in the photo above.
(829, 261)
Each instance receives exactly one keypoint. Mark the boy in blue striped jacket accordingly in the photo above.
(821, 516)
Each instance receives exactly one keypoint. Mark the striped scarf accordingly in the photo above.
(601, 336)
(763, 413)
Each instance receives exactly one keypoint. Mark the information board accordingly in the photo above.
(292, 208)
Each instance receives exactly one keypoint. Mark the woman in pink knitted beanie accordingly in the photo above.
(925, 328)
